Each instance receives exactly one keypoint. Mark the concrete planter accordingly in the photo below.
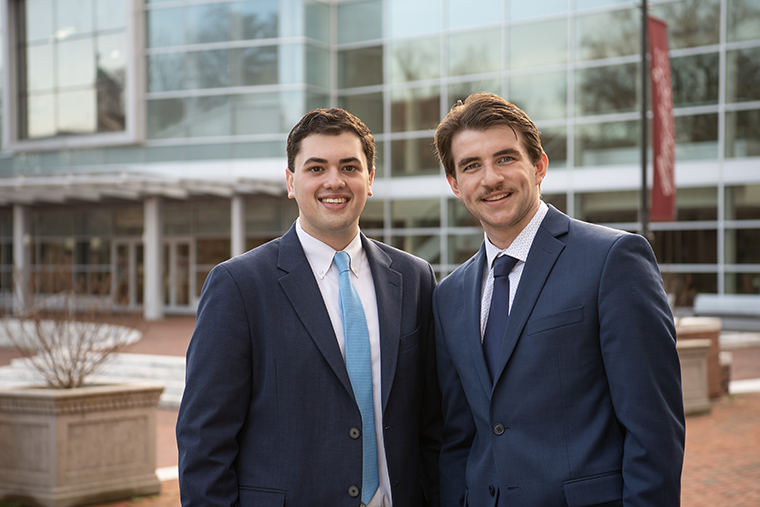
(693, 357)
(705, 328)
(68, 447)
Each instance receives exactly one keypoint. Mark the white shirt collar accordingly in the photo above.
(520, 247)
(320, 254)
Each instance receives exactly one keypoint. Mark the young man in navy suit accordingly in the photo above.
(556, 345)
(279, 407)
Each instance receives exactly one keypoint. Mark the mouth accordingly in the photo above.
(497, 197)
(334, 200)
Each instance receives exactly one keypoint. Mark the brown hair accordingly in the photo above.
(481, 111)
(331, 122)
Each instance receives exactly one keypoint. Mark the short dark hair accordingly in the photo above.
(331, 122)
(481, 111)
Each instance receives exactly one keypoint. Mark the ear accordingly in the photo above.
(371, 180)
(454, 184)
(289, 182)
(542, 166)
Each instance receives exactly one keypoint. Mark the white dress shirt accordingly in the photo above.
(320, 257)
(519, 249)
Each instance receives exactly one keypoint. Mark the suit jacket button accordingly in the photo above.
(354, 433)
(353, 491)
(498, 429)
(492, 490)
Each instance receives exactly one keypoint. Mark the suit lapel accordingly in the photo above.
(302, 290)
(389, 292)
(543, 254)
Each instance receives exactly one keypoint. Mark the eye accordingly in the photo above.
(315, 169)
(350, 168)
(469, 167)
(505, 158)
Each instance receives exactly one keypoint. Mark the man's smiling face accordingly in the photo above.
(496, 180)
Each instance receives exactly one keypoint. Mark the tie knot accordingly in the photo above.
(342, 261)
(503, 265)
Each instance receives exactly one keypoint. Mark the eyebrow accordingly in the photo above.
(506, 151)
(317, 160)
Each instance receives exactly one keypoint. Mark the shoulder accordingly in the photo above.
(258, 259)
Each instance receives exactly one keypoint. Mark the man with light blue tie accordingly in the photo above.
(311, 375)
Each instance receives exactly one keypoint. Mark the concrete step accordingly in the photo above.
(168, 371)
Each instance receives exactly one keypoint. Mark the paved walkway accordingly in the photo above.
(721, 469)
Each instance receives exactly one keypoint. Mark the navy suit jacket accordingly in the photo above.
(586, 407)
(268, 409)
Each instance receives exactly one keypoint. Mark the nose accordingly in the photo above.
(334, 179)
(492, 177)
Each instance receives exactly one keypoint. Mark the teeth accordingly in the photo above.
(335, 201)
(497, 197)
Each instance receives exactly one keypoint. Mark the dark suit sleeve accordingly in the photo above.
(637, 338)
(216, 397)
(458, 424)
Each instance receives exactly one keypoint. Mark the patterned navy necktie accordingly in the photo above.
(499, 313)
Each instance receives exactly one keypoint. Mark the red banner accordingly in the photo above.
(663, 127)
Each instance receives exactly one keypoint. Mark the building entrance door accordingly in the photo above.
(128, 272)
(179, 262)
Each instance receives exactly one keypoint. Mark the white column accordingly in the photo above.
(21, 259)
(153, 300)
(237, 232)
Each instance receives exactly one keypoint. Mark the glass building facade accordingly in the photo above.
(123, 116)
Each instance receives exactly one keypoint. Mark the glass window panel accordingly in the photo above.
(207, 23)
(368, 107)
(166, 72)
(207, 69)
(254, 19)
(166, 27)
(209, 116)
(559, 201)
(77, 112)
(601, 144)
(73, 17)
(40, 25)
(743, 134)
(415, 60)
(427, 247)
(110, 14)
(318, 25)
(459, 216)
(527, 50)
(265, 113)
(93, 251)
(475, 52)
(686, 247)
(697, 204)
(604, 90)
(290, 69)
(316, 101)
(742, 283)
(607, 207)
(462, 247)
(542, 96)
(75, 62)
(214, 218)
(92, 222)
(686, 285)
(317, 67)
(360, 67)
(254, 66)
(178, 219)
(554, 142)
(743, 20)
(40, 116)
(697, 137)
(415, 109)
(360, 21)
(691, 23)
(412, 157)
(592, 4)
(743, 202)
(468, 14)
(373, 216)
(460, 91)
(128, 221)
(111, 77)
(607, 35)
(53, 222)
(524, 10)
(39, 67)
(415, 213)
(695, 79)
(420, 17)
(742, 75)
(741, 246)
(111, 57)
(211, 252)
(165, 118)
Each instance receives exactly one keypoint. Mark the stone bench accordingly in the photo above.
(729, 305)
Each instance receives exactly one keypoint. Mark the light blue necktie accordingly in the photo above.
(359, 366)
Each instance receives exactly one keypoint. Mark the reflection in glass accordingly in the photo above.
(460, 91)
(254, 19)
(421, 17)
(695, 79)
(699, 203)
(413, 157)
(40, 115)
(77, 112)
(207, 69)
(73, 17)
(368, 107)
(742, 75)
(602, 144)
(415, 109)
(254, 66)
(39, 26)
(527, 50)
(165, 118)
(743, 20)
(475, 52)
(743, 134)
(75, 62)
(607, 207)
(39, 67)
(317, 67)
(110, 14)
(360, 21)
(591, 4)
(462, 247)
(743, 202)
(525, 10)
(691, 23)
(207, 23)
(318, 25)
(542, 96)
(554, 142)
(697, 137)
(415, 213)
(686, 247)
(427, 247)
(110, 82)
(360, 67)
(165, 27)
(415, 60)
(607, 35)
(166, 72)
(208, 116)
(459, 216)
(604, 90)
(468, 14)
(265, 113)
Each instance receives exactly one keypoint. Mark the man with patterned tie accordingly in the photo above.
(311, 373)
(556, 346)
